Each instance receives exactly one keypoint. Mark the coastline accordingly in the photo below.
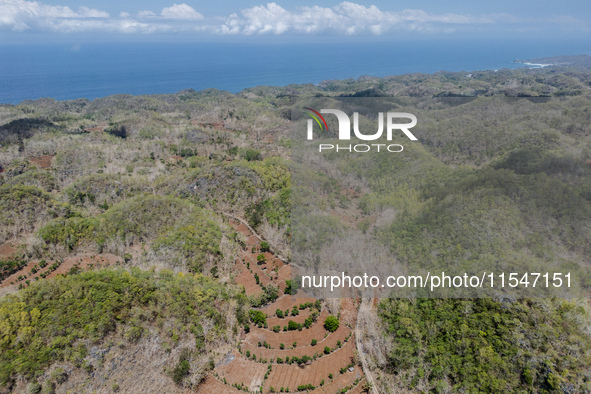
(96, 70)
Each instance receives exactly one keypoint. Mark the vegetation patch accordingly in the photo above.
(488, 345)
(52, 320)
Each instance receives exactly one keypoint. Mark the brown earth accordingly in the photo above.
(273, 321)
(283, 275)
(251, 374)
(286, 302)
(175, 159)
(263, 277)
(293, 375)
(345, 380)
(213, 125)
(251, 241)
(83, 261)
(41, 161)
(242, 371)
(246, 279)
(241, 228)
(98, 128)
(211, 385)
(303, 349)
(359, 388)
(317, 331)
(7, 249)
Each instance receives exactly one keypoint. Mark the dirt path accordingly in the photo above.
(364, 310)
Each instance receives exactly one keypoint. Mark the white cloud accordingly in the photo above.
(19, 15)
(346, 18)
(146, 14)
(181, 11)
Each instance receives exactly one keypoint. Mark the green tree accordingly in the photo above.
(331, 323)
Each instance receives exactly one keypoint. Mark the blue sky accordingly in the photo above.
(30, 21)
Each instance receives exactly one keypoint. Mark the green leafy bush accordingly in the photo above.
(488, 345)
(252, 155)
(257, 317)
(179, 229)
(49, 320)
(331, 323)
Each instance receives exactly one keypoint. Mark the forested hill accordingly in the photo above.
(118, 268)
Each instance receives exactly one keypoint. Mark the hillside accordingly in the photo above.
(145, 240)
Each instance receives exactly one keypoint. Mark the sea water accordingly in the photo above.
(89, 70)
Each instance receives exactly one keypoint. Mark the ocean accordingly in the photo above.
(89, 70)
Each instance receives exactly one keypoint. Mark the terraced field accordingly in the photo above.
(273, 358)
(35, 269)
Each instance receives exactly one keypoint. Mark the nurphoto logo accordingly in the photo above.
(344, 123)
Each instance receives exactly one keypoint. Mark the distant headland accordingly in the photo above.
(579, 60)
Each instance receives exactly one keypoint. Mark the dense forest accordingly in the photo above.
(115, 237)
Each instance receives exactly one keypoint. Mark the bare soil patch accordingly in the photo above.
(7, 249)
(293, 376)
(242, 371)
(212, 385)
(344, 380)
(83, 261)
(41, 161)
(246, 279)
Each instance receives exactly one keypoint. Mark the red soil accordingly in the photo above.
(212, 385)
(348, 311)
(175, 159)
(293, 375)
(344, 380)
(256, 269)
(7, 249)
(251, 373)
(41, 161)
(359, 388)
(285, 302)
(246, 279)
(84, 261)
(274, 321)
(271, 265)
(283, 275)
(214, 125)
(304, 337)
(303, 349)
(96, 128)
(242, 371)
(241, 228)
(252, 240)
